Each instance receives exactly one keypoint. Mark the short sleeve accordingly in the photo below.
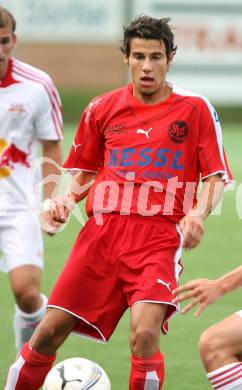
(87, 149)
(49, 123)
(211, 154)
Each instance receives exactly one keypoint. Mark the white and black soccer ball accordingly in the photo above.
(77, 374)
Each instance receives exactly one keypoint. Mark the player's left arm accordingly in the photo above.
(214, 171)
(192, 224)
(205, 291)
(51, 167)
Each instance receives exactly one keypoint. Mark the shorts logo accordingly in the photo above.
(160, 281)
(75, 146)
(178, 131)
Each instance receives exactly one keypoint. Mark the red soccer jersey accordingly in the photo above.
(148, 158)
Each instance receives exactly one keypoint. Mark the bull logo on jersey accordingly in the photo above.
(178, 131)
(10, 155)
(17, 108)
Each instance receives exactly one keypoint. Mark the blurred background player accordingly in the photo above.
(220, 345)
(30, 112)
(143, 144)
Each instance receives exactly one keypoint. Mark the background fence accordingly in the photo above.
(76, 42)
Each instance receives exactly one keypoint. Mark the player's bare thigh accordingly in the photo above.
(226, 336)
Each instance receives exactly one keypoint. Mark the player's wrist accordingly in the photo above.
(222, 286)
(195, 213)
(71, 200)
(46, 204)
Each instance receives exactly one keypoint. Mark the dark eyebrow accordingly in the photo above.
(157, 53)
(137, 52)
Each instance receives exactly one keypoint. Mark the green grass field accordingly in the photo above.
(219, 252)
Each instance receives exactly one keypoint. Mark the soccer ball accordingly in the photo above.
(77, 374)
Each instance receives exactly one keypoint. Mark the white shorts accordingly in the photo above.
(239, 313)
(21, 241)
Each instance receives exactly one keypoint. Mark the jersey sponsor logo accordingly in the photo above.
(10, 154)
(17, 108)
(75, 145)
(129, 157)
(160, 281)
(117, 128)
(178, 131)
(145, 132)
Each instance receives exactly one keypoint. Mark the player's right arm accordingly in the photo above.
(61, 206)
(205, 291)
(83, 162)
(79, 187)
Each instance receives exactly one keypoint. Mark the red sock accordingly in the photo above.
(147, 373)
(29, 370)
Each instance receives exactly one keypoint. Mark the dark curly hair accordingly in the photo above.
(146, 27)
(6, 19)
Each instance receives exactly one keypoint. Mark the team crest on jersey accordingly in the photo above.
(178, 131)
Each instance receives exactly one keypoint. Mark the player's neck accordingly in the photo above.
(3, 70)
(154, 98)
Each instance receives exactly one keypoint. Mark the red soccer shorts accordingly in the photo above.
(127, 260)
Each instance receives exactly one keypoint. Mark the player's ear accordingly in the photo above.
(126, 59)
(170, 62)
(14, 40)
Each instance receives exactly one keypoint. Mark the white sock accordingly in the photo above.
(228, 377)
(24, 324)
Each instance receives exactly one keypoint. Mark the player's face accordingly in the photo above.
(148, 67)
(7, 43)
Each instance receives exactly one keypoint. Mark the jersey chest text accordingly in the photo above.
(144, 157)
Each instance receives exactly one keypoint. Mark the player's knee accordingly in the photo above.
(143, 341)
(27, 298)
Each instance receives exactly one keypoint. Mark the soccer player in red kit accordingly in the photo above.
(146, 145)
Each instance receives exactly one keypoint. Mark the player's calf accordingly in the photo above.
(147, 373)
(224, 371)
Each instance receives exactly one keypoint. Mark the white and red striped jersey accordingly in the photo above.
(30, 111)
